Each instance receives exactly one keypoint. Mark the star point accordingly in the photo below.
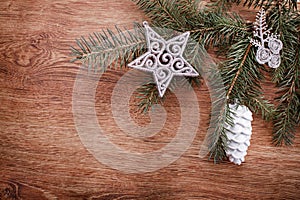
(164, 59)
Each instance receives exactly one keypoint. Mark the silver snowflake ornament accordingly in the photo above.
(164, 59)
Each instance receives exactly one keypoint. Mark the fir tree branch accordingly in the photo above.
(148, 96)
(220, 29)
(172, 14)
(210, 27)
(220, 5)
(287, 76)
(242, 75)
(238, 71)
(261, 106)
(167, 11)
(257, 3)
(287, 113)
(217, 138)
(107, 49)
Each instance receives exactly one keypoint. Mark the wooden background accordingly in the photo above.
(41, 155)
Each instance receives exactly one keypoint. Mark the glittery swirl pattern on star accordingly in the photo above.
(164, 58)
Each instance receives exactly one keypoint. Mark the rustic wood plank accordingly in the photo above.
(41, 154)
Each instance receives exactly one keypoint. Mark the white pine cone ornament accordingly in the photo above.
(239, 134)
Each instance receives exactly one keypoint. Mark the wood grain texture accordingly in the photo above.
(41, 155)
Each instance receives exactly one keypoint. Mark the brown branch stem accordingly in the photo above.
(239, 71)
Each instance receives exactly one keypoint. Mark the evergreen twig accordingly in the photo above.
(240, 67)
(287, 76)
(148, 96)
(109, 49)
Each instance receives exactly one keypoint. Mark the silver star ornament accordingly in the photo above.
(164, 59)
